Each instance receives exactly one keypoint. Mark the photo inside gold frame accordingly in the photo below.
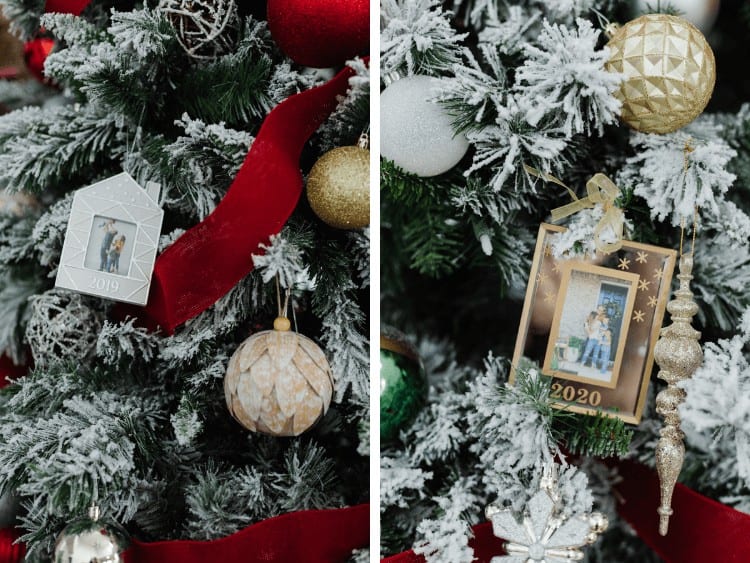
(590, 325)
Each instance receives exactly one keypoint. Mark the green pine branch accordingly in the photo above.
(404, 188)
(41, 149)
(229, 91)
(416, 211)
(594, 435)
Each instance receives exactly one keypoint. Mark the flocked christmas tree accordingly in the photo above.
(136, 420)
(526, 84)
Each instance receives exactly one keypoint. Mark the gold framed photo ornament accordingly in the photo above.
(591, 324)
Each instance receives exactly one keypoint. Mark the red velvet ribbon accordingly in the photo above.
(74, 7)
(11, 552)
(212, 257)
(312, 536)
(9, 369)
(700, 529)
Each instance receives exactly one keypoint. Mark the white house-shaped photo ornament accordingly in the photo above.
(112, 239)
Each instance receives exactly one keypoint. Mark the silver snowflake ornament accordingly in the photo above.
(542, 535)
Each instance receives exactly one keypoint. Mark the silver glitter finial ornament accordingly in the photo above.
(544, 535)
(88, 540)
(206, 29)
(678, 353)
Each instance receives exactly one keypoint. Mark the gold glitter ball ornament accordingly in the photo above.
(278, 382)
(669, 72)
(338, 187)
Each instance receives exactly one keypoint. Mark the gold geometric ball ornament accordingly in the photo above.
(278, 382)
(669, 72)
(338, 187)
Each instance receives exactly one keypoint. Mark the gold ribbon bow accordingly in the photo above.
(600, 189)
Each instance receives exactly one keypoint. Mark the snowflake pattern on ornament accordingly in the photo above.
(543, 534)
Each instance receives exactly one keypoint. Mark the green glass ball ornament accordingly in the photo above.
(403, 385)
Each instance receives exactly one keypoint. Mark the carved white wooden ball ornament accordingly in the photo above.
(278, 383)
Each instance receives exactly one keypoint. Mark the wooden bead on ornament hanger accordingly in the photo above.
(279, 382)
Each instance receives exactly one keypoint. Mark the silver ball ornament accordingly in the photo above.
(415, 132)
(90, 541)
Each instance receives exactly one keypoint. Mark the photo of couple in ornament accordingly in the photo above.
(590, 326)
(110, 246)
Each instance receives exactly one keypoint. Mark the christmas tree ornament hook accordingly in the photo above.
(94, 512)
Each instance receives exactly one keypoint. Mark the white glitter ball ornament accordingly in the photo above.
(278, 382)
(415, 132)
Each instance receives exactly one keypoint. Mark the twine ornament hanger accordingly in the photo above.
(282, 321)
(600, 189)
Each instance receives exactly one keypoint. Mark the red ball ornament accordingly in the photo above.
(35, 53)
(74, 7)
(320, 33)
